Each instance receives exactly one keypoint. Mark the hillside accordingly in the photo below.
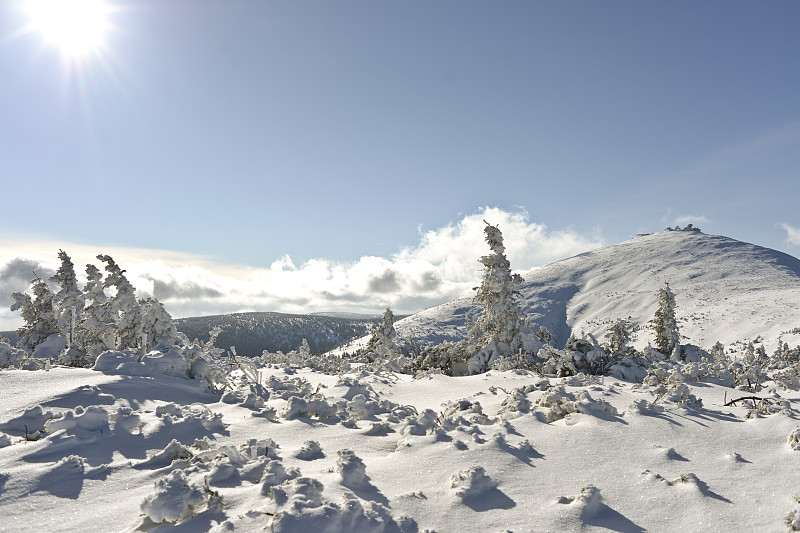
(252, 333)
(726, 290)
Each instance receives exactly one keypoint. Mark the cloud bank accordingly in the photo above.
(443, 265)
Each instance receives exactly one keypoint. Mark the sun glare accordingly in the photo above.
(75, 27)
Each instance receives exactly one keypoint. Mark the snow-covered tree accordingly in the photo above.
(383, 342)
(123, 305)
(38, 313)
(68, 301)
(618, 335)
(498, 331)
(665, 323)
(157, 328)
(305, 349)
(98, 327)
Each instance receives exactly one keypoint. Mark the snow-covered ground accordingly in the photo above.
(376, 451)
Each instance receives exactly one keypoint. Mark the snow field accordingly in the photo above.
(386, 452)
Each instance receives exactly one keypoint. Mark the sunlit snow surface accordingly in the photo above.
(385, 452)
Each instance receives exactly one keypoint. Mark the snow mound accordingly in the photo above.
(471, 483)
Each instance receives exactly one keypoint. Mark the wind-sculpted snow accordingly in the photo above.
(375, 451)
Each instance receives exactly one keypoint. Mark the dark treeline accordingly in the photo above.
(252, 333)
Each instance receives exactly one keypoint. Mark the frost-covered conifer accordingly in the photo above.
(383, 341)
(123, 306)
(305, 349)
(498, 331)
(157, 328)
(38, 313)
(68, 301)
(664, 322)
(98, 328)
(618, 336)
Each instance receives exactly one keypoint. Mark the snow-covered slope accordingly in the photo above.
(726, 290)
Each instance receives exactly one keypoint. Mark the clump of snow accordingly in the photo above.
(682, 396)
(298, 407)
(5, 440)
(310, 451)
(352, 469)
(302, 507)
(11, 357)
(587, 503)
(177, 498)
(246, 393)
(558, 403)
(173, 416)
(516, 402)
(471, 483)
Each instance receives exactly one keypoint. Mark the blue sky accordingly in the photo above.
(240, 135)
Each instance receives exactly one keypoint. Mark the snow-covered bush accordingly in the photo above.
(10, 356)
(587, 503)
(352, 470)
(794, 439)
(177, 499)
(793, 518)
(449, 358)
(325, 363)
(299, 505)
(558, 403)
(310, 451)
(471, 483)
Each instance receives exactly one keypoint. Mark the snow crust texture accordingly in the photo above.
(82, 450)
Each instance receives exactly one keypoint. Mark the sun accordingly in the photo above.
(75, 27)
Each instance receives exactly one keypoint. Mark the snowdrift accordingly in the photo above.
(136, 450)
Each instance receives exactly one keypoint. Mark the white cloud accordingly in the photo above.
(443, 265)
(792, 234)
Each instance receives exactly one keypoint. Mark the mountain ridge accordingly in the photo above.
(726, 290)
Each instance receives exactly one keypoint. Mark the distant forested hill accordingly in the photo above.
(252, 333)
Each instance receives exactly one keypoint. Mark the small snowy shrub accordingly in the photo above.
(793, 518)
(177, 499)
(559, 403)
(443, 357)
(794, 439)
(352, 469)
(10, 356)
(587, 502)
(310, 451)
(471, 483)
